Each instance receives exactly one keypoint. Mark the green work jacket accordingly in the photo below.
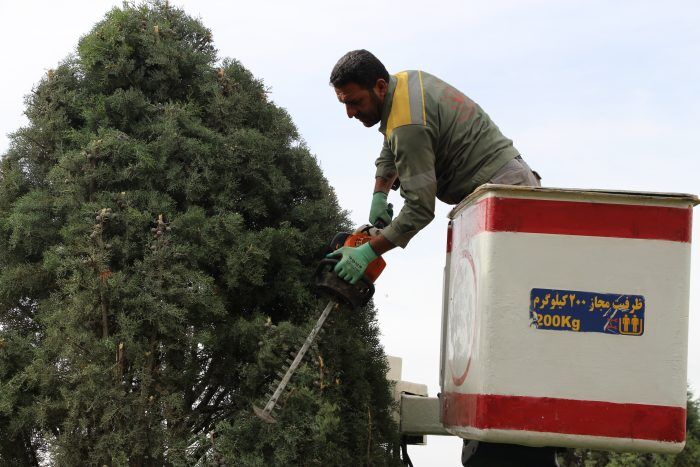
(440, 143)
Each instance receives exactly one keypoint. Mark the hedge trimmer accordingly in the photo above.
(341, 293)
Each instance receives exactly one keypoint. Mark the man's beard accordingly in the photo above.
(372, 119)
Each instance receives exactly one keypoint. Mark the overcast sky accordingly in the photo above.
(594, 94)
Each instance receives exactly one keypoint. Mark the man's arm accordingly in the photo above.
(384, 183)
(386, 172)
(381, 245)
(415, 162)
(380, 211)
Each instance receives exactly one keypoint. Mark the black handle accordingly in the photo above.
(328, 281)
(325, 262)
(332, 262)
(379, 223)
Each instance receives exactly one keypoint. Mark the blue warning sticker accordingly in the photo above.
(571, 310)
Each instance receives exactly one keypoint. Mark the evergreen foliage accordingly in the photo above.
(160, 221)
(688, 457)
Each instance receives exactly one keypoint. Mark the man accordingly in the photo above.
(438, 143)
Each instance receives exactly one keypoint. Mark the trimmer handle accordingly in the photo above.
(379, 223)
(355, 295)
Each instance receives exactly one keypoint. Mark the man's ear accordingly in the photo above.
(381, 87)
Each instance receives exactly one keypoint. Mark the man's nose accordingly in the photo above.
(351, 111)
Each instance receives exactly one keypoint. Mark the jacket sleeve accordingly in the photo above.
(412, 146)
(386, 167)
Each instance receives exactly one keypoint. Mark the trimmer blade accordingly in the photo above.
(265, 414)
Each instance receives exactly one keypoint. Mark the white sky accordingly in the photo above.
(595, 94)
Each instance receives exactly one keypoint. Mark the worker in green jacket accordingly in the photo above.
(440, 144)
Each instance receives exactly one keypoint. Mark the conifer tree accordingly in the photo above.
(160, 222)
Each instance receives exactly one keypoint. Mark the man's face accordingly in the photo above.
(362, 103)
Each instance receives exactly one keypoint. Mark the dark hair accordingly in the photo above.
(358, 66)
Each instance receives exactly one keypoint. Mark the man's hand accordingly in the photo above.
(353, 261)
(380, 210)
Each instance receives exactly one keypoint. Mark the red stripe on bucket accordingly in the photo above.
(449, 237)
(567, 416)
(579, 218)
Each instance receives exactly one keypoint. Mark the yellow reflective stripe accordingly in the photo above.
(422, 96)
(408, 103)
(400, 106)
(415, 96)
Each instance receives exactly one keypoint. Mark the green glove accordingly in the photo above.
(380, 210)
(353, 261)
